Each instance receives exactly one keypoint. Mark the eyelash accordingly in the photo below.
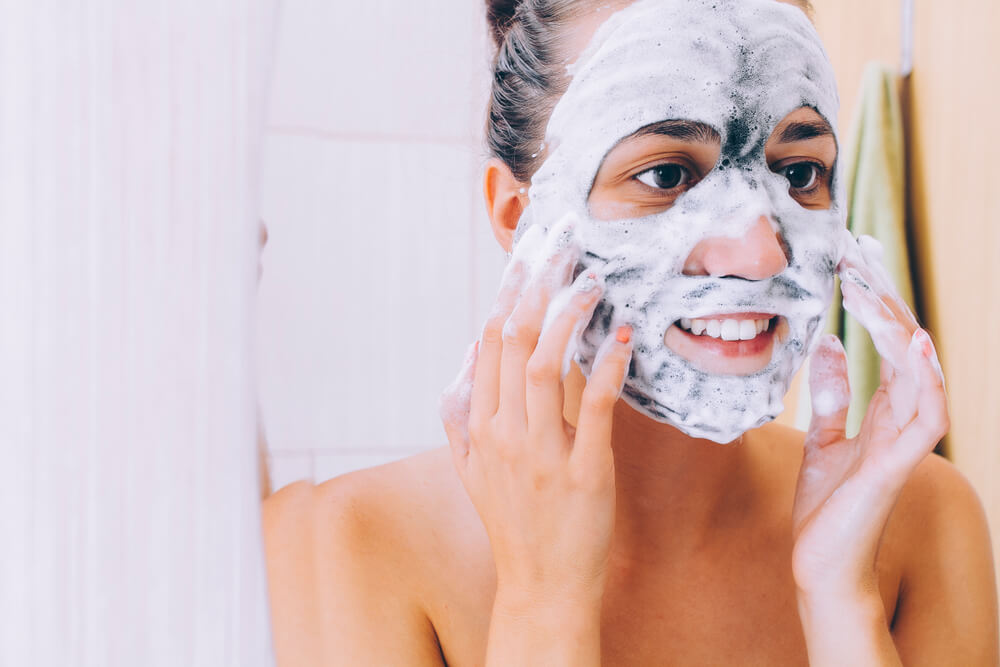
(820, 172)
(680, 186)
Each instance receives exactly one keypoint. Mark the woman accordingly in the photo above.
(693, 145)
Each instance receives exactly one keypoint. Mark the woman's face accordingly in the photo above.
(646, 172)
(695, 149)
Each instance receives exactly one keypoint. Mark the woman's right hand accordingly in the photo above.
(545, 491)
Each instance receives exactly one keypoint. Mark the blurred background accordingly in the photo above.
(381, 266)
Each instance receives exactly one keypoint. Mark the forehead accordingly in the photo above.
(596, 14)
(736, 65)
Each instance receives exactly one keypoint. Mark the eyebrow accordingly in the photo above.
(803, 130)
(682, 130)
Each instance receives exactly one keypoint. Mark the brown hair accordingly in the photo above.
(529, 75)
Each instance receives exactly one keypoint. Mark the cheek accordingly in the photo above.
(607, 209)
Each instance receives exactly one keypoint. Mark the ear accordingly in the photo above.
(506, 198)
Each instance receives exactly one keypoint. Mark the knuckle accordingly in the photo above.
(541, 476)
(506, 442)
(541, 371)
(592, 478)
(493, 332)
(506, 448)
(599, 401)
(478, 431)
(519, 333)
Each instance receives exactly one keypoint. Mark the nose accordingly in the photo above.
(756, 255)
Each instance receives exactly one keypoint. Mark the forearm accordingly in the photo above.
(527, 632)
(847, 631)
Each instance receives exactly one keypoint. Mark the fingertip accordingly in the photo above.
(615, 348)
(829, 352)
(829, 344)
(922, 350)
(828, 382)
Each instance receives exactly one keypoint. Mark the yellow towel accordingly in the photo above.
(874, 166)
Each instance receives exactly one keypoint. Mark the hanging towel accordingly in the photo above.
(874, 169)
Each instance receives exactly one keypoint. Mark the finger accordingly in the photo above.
(830, 391)
(544, 372)
(604, 386)
(455, 405)
(890, 337)
(903, 388)
(522, 329)
(867, 261)
(931, 421)
(486, 388)
(872, 251)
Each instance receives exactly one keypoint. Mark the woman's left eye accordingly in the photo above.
(802, 175)
(664, 176)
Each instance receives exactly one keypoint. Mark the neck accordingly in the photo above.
(675, 493)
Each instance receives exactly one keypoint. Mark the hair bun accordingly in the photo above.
(500, 15)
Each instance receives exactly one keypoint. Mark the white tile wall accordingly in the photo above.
(380, 264)
(381, 67)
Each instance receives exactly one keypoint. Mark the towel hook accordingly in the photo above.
(906, 39)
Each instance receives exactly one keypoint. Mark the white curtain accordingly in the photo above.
(129, 520)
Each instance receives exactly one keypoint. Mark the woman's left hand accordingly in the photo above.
(847, 487)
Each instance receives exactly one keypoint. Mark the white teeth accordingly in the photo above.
(726, 329)
(730, 330)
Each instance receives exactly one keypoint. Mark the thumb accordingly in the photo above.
(455, 405)
(830, 393)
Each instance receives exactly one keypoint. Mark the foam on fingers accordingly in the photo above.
(828, 382)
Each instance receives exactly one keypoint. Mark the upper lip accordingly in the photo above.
(734, 316)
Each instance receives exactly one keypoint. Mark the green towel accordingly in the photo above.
(874, 166)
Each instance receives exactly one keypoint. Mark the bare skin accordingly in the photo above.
(610, 539)
(392, 565)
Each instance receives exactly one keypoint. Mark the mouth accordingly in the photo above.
(726, 344)
(728, 328)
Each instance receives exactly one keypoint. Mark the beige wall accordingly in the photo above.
(954, 184)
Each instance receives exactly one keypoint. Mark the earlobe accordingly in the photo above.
(506, 198)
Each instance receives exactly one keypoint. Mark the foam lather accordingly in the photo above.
(740, 66)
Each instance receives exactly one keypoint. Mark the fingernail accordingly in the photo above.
(924, 341)
(587, 282)
(624, 334)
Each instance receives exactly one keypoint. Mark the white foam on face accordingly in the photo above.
(740, 66)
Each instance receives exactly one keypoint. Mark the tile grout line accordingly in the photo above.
(368, 137)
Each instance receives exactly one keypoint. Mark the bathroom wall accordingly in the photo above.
(380, 263)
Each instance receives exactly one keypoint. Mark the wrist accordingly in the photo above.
(846, 629)
(529, 628)
(857, 607)
(844, 589)
(518, 602)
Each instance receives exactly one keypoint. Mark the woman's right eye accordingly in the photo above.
(665, 176)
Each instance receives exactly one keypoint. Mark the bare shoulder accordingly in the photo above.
(345, 565)
(938, 534)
